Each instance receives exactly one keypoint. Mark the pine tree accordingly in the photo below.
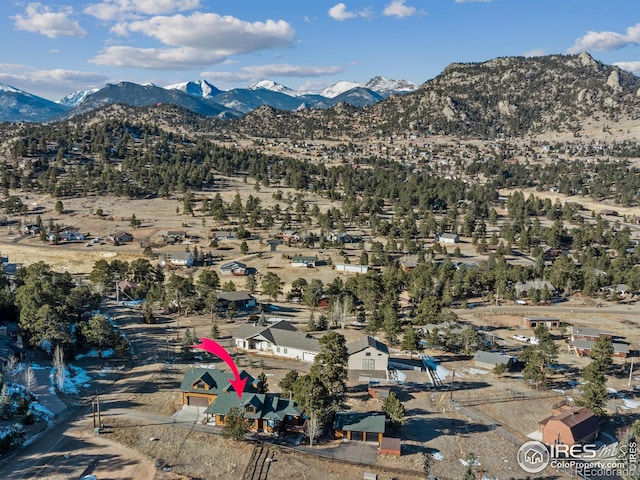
(262, 385)
(235, 426)
(394, 409)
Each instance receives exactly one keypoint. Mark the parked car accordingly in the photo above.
(534, 341)
(520, 338)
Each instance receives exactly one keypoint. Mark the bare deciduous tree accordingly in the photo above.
(12, 366)
(59, 365)
(29, 378)
(313, 426)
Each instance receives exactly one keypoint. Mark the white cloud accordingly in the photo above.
(633, 67)
(49, 83)
(340, 13)
(157, 58)
(537, 52)
(194, 41)
(286, 70)
(397, 8)
(120, 9)
(603, 41)
(260, 72)
(41, 19)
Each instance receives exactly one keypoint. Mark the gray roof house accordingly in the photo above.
(368, 354)
(488, 360)
(281, 339)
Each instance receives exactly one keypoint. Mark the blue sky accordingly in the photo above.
(52, 48)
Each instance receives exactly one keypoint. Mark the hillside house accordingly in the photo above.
(569, 425)
(524, 289)
(67, 236)
(368, 354)
(359, 426)
(291, 236)
(280, 339)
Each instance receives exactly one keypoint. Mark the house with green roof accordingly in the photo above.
(201, 386)
(263, 412)
(359, 426)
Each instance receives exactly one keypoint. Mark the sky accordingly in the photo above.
(53, 48)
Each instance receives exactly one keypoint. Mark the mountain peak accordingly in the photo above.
(198, 88)
(272, 86)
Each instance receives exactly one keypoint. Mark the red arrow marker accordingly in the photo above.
(218, 350)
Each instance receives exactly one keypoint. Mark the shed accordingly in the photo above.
(488, 360)
(534, 322)
(391, 446)
(359, 426)
(570, 425)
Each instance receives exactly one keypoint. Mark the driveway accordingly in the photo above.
(45, 393)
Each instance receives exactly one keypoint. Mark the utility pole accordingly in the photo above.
(631, 371)
(453, 378)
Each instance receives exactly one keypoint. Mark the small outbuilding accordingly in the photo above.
(489, 360)
(570, 425)
(359, 426)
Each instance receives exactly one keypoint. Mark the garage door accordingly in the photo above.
(198, 402)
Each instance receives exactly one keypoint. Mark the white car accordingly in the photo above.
(534, 341)
(520, 338)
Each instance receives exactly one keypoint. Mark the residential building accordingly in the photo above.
(263, 412)
(201, 386)
(350, 268)
(368, 354)
(179, 259)
(242, 300)
(489, 360)
(280, 339)
(121, 237)
(359, 426)
(583, 333)
(569, 425)
(448, 238)
(233, 268)
(583, 347)
(303, 261)
(534, 322)
(225, 235)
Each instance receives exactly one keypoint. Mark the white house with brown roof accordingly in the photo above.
(280, 339)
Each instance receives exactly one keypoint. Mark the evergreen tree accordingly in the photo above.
(235, 426)
(262, 386)
(410, 340)
(330, 365)
(394, 409)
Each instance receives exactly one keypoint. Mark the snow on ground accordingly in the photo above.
(475, 371)
(612, 390)
(437, 456)
(629, 404)
(74, 379)
(96, 354)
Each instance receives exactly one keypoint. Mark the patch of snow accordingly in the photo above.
(475, 371)
(75, 378)
(96, 354)
(36, 407)
(612, 390)
(437, 456)
(629, 404)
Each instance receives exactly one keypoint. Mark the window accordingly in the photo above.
(368, 354)
(284, 350)
(368, 364)
(278, 349)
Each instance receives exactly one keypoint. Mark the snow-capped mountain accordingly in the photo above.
(274, 87)
(77, 97)
(386, 86)
(19, 106)
(339, 88)
(199, 88)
